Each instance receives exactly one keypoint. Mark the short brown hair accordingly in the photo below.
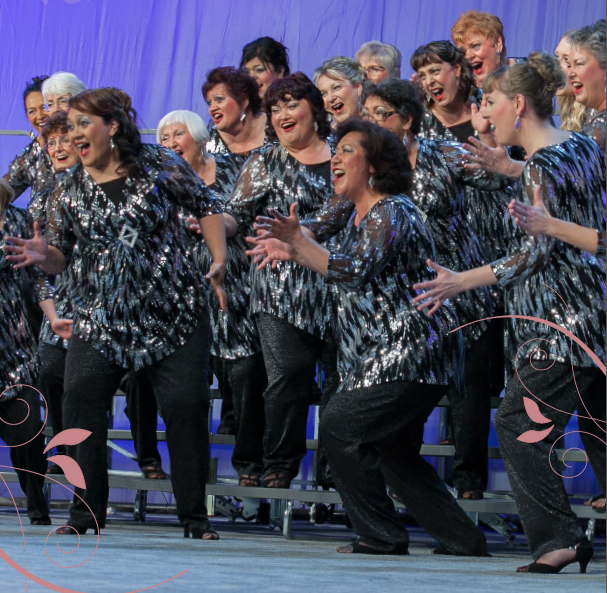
(56, 124)
(240, 86)
(475, 22)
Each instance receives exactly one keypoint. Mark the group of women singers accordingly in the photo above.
(355, 221)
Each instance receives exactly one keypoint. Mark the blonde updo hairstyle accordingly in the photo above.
(537, 80)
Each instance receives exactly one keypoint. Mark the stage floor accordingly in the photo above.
(133, 556)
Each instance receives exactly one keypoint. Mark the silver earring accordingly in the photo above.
(112, 144)
(316, 126)
(371, 182)
(242, 116)
(517, 123)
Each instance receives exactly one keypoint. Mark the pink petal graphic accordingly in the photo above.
(71, 469)
(533, 411)
(71, 436)
(534, 436)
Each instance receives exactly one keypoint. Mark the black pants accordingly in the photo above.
(247, 380)
(373, 437)
(290, 356)
(227, 421)
(471, 416)
(28, 457)
(142, 412)
(52, 380)
(182, 391)
(538, 491)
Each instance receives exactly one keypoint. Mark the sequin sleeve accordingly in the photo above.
(252, 185)
(57, 231)
(21, 172)
(532, 253)
(596, 128)
(379, 239)
(600, 248)
(184, 187)
(331, 218)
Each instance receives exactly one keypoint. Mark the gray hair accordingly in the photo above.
(387, 55)
(592, 39)
(341, 67)
(60, 84)
(192, 121)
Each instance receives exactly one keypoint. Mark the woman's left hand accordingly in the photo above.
(284, 228)
(446, 284)
(215, 276)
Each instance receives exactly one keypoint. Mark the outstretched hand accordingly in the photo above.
(284, 228)
(479, 123)
(63, 328)
(215, 276)
(27, 252)
(446, 284)
(269, 251)
(534, 220)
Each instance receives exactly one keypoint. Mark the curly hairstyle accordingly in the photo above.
(384, 152)
(269, 51)
(537, 79)
(474, 22)
(34, 86)
(444, 51)
(403, 97)
(110, 104)
(298, 86)
(240, 86)
(56, 124)
(592, 39)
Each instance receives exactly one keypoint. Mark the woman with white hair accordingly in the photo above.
(340, 82)
(58, 88)
(379, 60)
(236, 357)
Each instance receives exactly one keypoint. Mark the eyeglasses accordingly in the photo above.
(60, 103)
(380, 115)
(53, 144)
(374, 70)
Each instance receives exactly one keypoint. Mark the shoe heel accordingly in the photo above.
(186, 531)
(584, 553)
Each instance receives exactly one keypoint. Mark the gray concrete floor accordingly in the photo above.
(132, 556)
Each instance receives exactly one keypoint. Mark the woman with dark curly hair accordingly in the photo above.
(265, 60)
(395, 363)
(238, 122)
(292, 306)
(137, 300)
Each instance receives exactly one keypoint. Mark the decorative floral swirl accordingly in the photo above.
(74, 475)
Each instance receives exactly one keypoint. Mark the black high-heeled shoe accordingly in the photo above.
(73, 530)
(198, 532)
(583, 555)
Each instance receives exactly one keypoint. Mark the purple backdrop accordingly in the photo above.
(160, 51)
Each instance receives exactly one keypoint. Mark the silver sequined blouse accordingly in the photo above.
(550, 279)
(272, 178)
(136, 295)
(32, 168)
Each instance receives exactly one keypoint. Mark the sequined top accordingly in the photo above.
(18, 352)
(32, 168)
(136, 297)
(235, 333)
(272, 178)
(485, 209)
(595, 126)
(382, 336)
(216, 145)
(550, 279)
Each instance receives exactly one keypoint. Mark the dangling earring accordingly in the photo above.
(242, 116)
(371, 182)
(112, 144)
(32, 135)
(316, 126)
(517, 123)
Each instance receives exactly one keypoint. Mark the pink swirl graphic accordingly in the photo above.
(73, 474)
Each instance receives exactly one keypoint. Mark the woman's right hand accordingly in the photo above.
(534, 220)
(269, 251)
(62, 327)
(27, 252)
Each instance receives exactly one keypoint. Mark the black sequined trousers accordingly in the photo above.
(471, 416)
(373, 437)
(227, 415)
(51, 383)
(181, 388)
(142, 412)
(290, 356)
(538, 491)
(247, 380)
(28, 456)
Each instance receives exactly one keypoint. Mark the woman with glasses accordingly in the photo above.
(379, 61)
